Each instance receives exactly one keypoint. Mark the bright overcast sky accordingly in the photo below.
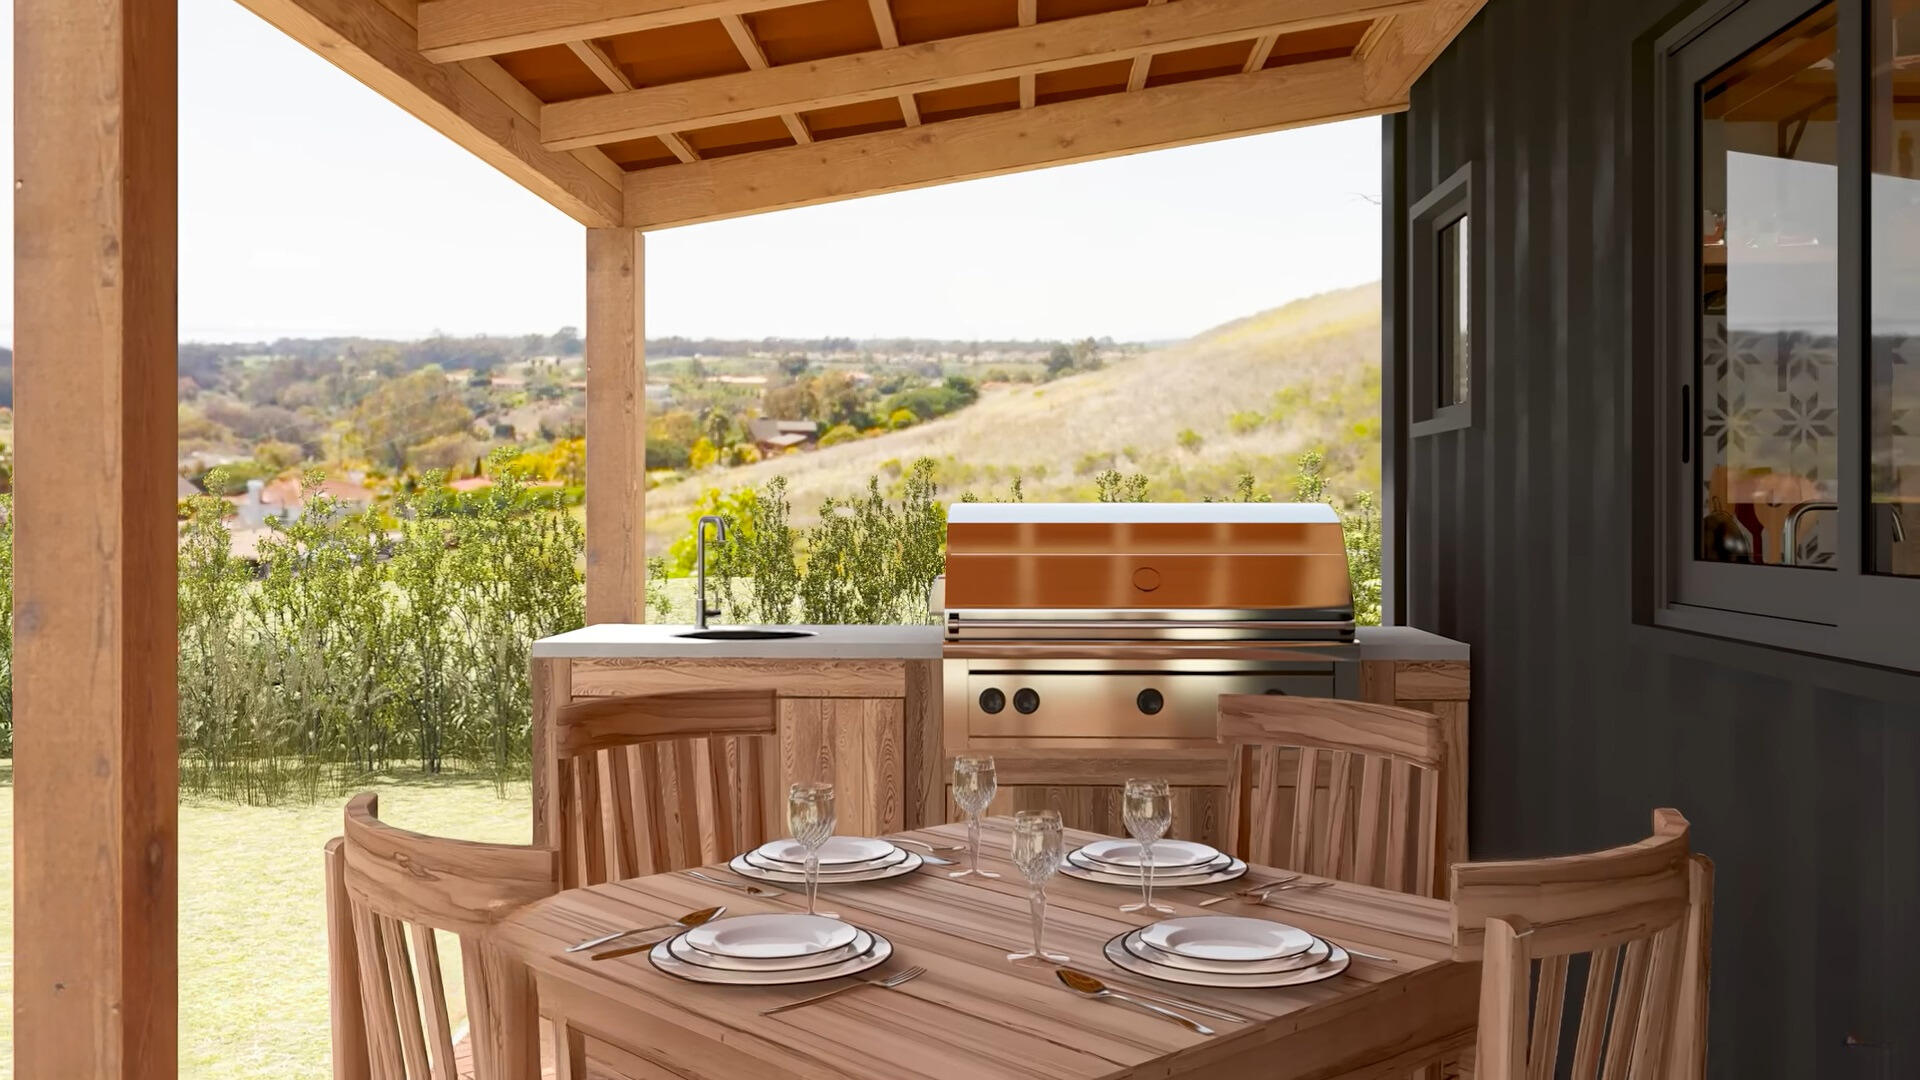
(311, 206)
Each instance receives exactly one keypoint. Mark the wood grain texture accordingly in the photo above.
(349, 1028)
(370, 41)
(591, 724)
(1199, 813)
(551, 681)
(925, 762)
(1016, 52)
(463, 29)
(855, 745)
(95, 841)
(616, 426)
(1355, 727)
(996, 144)
(1432, 680)
(975, 1015)
(790, 678)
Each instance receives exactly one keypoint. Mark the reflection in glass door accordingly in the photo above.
(1768, 440)
(1893, 442)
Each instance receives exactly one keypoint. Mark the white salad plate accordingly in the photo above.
(892, 858)
(1160, 873)
(1234, 869)
(1228, 938)
(1167, 854)
(1117, 954)
(1315, 953)
(862, 941)
(662, 958)
(746, 869)
(771, 936)
(838, 850)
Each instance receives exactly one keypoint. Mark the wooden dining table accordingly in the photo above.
(974, 1015)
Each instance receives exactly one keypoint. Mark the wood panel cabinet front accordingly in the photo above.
(858, 744)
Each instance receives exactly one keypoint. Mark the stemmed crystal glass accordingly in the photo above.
(1147, 808)
(973, 788)
(810, 815)
(1037, 851)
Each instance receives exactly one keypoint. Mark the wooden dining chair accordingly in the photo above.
(1630, 927)
(650, 783)
(389, 891)
(1343, 789)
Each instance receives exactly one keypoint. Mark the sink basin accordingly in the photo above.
(744, 633)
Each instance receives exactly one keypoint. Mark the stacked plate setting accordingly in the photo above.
(1227, 951)
(1176, 864)
(770, 950)
(843, 860)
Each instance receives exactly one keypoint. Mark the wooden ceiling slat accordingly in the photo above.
(756, 59)
(1001, 143)
(883, 24)
(1263, 48)
(1142, 64)
(939, 65)
(1029, 13)
(463, 29)
(1410, 43)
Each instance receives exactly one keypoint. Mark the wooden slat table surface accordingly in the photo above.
(973, 1015)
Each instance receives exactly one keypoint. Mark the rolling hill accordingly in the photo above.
(1247, 397)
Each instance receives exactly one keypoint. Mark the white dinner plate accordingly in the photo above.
(745, 869)
(1233, 869)
(892, 858)
(1160, 873)
(686, 953)
(1227, 938)
(1117, 955)
(662, 958)
(1316, 953)
(837, 851)
(771, 936)
(1167, 854)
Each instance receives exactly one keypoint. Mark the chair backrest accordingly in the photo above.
(1638, 920)
(1343, 789)
(649, 783)
(388, 889)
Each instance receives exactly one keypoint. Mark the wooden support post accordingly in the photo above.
(616, 426)
(96, 769)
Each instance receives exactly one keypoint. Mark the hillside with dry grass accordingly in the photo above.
(1246, 398)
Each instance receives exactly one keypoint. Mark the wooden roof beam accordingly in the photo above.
(367, 40)
(463, 29)
(889, 32)
(1137, 78)
(998, 143)
(608, 71)
(1029, 14)
(756, 58)
(1401, 52)
(934, 65)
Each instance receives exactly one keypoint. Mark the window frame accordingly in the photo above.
(1446, 205)
(1844, 612)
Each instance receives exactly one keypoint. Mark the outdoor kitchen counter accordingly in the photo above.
(650, 641)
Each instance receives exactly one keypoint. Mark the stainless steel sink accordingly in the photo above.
(744, 633)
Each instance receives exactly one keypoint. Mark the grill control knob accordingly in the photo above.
(1025, 701)
(1150, 701)
(992, 700)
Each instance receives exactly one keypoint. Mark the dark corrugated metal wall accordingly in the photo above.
(1801, 776)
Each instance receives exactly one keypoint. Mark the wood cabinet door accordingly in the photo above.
(857, 744)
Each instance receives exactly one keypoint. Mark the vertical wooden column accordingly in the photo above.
(616, 426)
(96, 770)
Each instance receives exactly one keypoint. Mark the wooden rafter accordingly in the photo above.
(1263, 49)
(934, 65)
(1137, 78)
(756, 59)
(1029, 14)
(464, 29)
(369, 41)
(999, 143)
(1409, 43)
(608, 71)
(889, 32)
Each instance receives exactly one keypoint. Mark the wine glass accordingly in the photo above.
(810, 815)
(1147, 808)
(973, 788)
(1037, 850)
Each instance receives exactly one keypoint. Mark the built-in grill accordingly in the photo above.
(1129, 620)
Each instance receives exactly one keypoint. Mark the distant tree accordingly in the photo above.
(566, 342)
(410, 412)
(1059, 362)
(1190, 440)
(794, 366)
(703, 455)
(840, 434)
(278, 455)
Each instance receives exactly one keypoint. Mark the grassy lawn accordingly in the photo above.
(253, 957)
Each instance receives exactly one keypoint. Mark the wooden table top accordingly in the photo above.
(976, 1016)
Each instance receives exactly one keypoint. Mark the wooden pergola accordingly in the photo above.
(627, 115)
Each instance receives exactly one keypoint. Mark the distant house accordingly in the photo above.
(281, 499)
(778, 436)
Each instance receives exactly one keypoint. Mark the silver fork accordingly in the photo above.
(929, 847)
(750, 890)
(1241, 894)
(897, 979)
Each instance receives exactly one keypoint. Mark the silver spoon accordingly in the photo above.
(690, 920)
(1089, 987)
(1158, 999)
(929, 847)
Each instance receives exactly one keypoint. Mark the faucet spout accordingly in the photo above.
(701, 612)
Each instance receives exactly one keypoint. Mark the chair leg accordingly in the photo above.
(569, 1051)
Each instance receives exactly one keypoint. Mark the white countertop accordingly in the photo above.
(655, 641)
(658, 641)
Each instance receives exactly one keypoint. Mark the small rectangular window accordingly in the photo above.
(1443, 315)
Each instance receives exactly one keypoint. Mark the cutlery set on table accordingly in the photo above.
(780, 949)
